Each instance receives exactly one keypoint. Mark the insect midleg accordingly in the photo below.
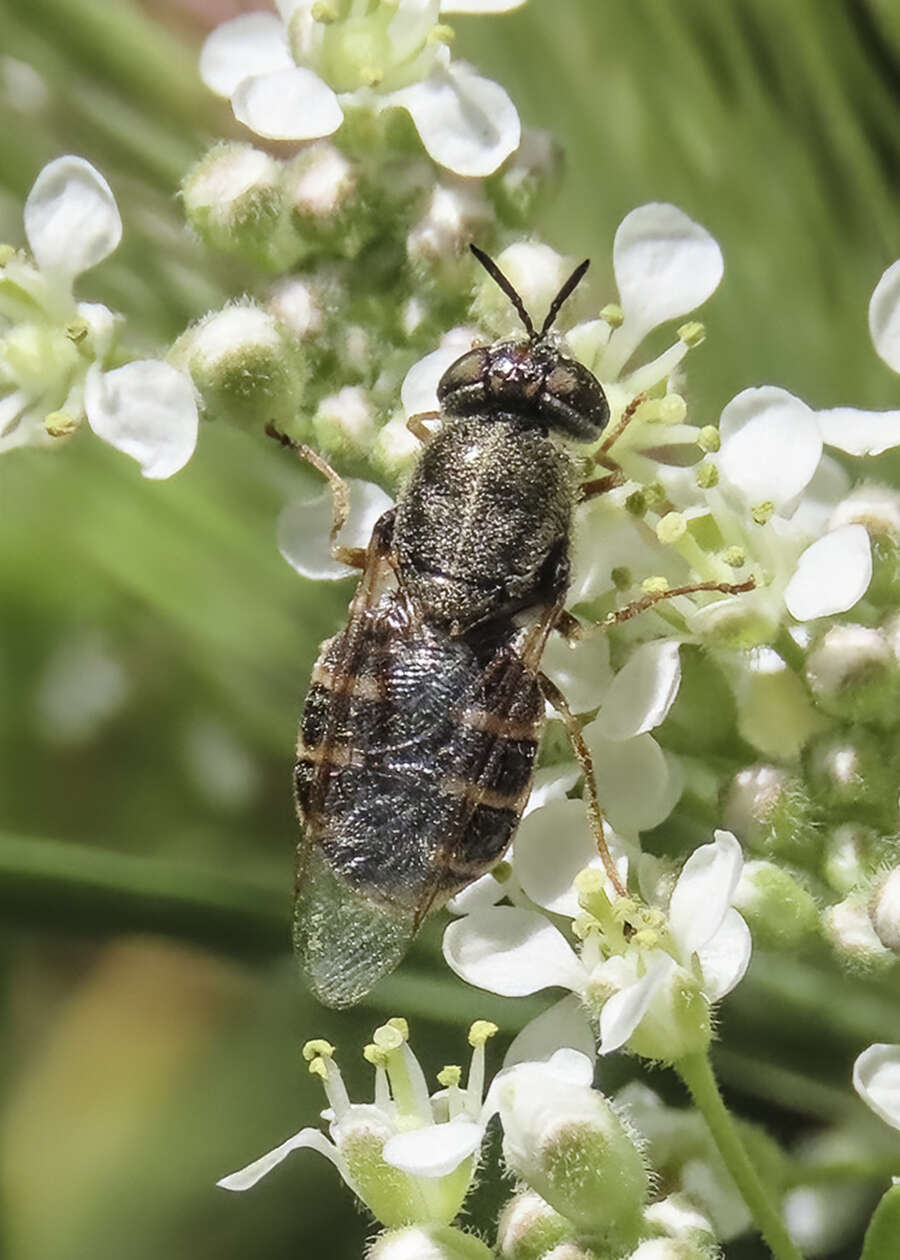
(353, 557)
(416, 425)
(637, 606)
(557, 700)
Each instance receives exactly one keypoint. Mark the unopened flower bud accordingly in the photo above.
(344, 424)
(884, 910)
(321, 200)
(675, 1249)
(855, 675)
(678, 1217)
(774, 710)
(455, 216)
(565, 1140)
(781, 913)
(537, 273)
(395, 448)
(428, 1242)
(233, 200)
(851, 774)
(772, 813)
(850, 930)
(529, 1227)
(295, 304)
(853, 853)
(248, 369)
(527, 178)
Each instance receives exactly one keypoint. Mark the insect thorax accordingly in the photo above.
(482, 527)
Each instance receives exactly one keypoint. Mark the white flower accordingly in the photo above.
(876, 1078)
(291, 78)
(433, 1141)
(54, 351)
(702, 946)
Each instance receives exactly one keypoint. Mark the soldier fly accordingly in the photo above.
(418, 739)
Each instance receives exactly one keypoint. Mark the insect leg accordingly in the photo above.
(557, 700)
(637, 606)
(416, 425)
(353, 557)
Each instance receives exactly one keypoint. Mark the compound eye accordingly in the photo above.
(463, 387)
(574, 401)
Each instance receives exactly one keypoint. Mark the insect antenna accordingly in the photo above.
(496, 274)
(572, 283)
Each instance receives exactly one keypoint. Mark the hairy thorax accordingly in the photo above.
(482, 526)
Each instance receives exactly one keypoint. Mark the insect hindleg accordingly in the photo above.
(353, 557)
(416, 425)
(637, 606)
(557, 700)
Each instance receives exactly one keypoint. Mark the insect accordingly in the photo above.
(418, 739)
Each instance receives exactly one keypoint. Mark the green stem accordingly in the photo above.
(696, 1072)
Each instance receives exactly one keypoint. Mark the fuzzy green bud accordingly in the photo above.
(344, 424)
(320, 188)
(429, 1242)
(781, 912)
(884, 910)
(849, 928)
(233, 200)
(247, 368)
(853, 854)
(855, 675)
(852, 775)
(565, 1140)
(676, 1249)
(772, 813)
(529, 1227)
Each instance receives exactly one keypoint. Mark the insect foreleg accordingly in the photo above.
(416, 425)
(353, 557)
(557, 700)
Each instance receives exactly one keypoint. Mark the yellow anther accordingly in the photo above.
(613, 315)
(626, 909)
(671, 528)
(583, 924)
(441, 34)
(671, 409)
(654, 585)
(322, 11)
(692, 333)
(375, 1055)
(318, 1049)
(317, 1068)
(734, 557)
(502, 872)
(7, 254)
(706, 475)
(402, 1027)
(449, 1076)
(763, 512)
(481, 1031)
(709, 438)
(60, 423)
(645, 938)
(636, 503)
(621, 577)
(589, 881)
(388, 1038)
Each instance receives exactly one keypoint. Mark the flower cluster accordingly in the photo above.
(59, 360)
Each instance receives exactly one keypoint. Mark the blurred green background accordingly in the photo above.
(155, 647)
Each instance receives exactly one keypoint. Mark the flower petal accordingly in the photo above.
(876, 1078)
(580, 670)
(247, 46)
(71, 218)
(884, 316)
(511, 952)
(642, 692)
(860, 432)
(147, 410)
(831, 575)
(314, 1139)
(665, 265)
(304, 526)
(551, 783)
(435, 1150)
(704, 892)
(771, 446)
(467, 124)
(725, 958)
(485, 892)
(291, 104)
(623, 1012)
(632, 780)
(553, 845)
(562, 1025)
